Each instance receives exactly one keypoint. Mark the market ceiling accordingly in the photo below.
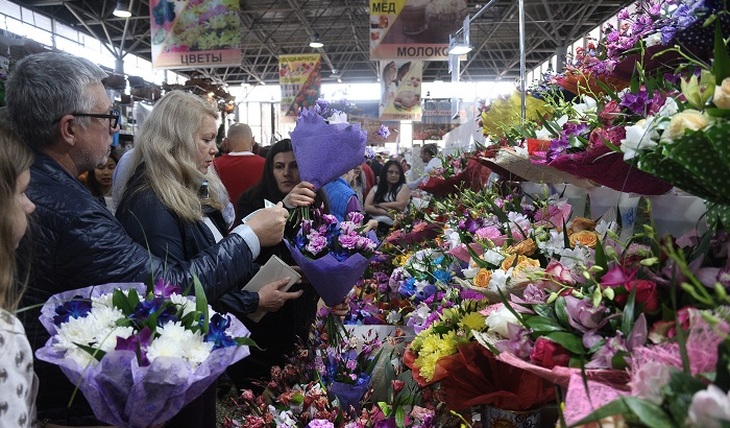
(275, 27)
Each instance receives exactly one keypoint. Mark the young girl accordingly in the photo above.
(18, 383)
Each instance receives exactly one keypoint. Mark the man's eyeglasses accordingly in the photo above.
(113, 117)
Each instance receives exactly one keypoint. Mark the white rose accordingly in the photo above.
(499, 320)
(688, 120)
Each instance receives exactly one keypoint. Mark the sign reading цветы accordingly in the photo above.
(414, 29)
(195, 33)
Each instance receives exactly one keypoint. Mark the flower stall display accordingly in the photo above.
(458, 171)
(333, 255)
(139, 355)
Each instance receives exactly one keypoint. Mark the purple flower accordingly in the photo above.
(320, 423)
(78, 307)
(603, 358)
(316, 244)
(635, 103)
(583, 316)
(383, 132)
(217, 332)
(355, 217)
(146, 308)
(137, 343)
(164, 289)
(349, 242)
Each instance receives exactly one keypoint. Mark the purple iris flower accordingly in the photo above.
(164, 289)
(217, 332)
(78, 307)
(137, 343)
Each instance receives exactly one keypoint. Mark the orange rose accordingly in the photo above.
(522, 263)
(523, 248)
(586, 238)
(482, 278)
(582, 223)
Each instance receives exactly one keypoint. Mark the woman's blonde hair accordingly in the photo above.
(167, 145)
(15, 158)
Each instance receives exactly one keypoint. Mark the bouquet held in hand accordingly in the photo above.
(138, 355)
(333, 255)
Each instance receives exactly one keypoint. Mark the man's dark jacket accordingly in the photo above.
(75, 242)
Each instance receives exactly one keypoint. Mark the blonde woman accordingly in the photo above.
(18, 383)
(172, 203)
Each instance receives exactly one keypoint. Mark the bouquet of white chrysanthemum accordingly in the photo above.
(139, 355)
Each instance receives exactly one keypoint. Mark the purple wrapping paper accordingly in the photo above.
(331, 278)
(349, 395)
(122, 393)
(326, 151)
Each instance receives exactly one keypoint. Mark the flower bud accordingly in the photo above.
(699, 91)
(721, 98)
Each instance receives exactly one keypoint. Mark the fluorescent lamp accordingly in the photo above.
(122, 9)
(459, 49)
(315, 43)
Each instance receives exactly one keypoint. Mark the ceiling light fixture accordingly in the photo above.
(122, 9)
(315, 42)
(459, 42)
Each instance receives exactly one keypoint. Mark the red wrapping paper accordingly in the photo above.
(473, 376)
(475, 176)
(606, 167)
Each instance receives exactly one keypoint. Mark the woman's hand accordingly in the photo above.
(370, 225)
(272, 297)
(340, 310)
(302, 195)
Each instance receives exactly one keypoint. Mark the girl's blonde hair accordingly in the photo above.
(167, 145)
(15, 158)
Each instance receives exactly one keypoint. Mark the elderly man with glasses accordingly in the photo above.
(59, 106)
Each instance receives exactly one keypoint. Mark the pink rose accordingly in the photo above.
(549, 354)
(559, 273)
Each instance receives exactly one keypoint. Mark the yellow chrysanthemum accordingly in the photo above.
(430, 344)
(427, 365)
(473, 321)
(448, 344)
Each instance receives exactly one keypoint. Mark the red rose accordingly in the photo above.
(549, 354)
(646, 294)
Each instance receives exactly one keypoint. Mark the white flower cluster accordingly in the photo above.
(99, 330)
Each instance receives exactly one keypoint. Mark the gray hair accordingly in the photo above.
(44, 87)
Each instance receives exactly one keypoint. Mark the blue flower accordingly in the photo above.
(442, 276)
(78, 307)
(147, 308)
(217, 332)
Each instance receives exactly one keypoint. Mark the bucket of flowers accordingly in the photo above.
(137, 353)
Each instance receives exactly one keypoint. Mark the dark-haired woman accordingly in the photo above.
(391, 194)
(279, 332)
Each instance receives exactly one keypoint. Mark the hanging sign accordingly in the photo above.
(414, 29)
(300, 79)
(400, 85)
(195, 34)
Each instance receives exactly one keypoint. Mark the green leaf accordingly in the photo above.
(98, 354)
(247, 341)
(133, 297)
(721, 58)
(569, 341)
(561, 311)
(627, 318)
(201, 303)
(400, 417)
(119, 301)
(722, 377)
(601, 259)
(543, 324)
(543, 310)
